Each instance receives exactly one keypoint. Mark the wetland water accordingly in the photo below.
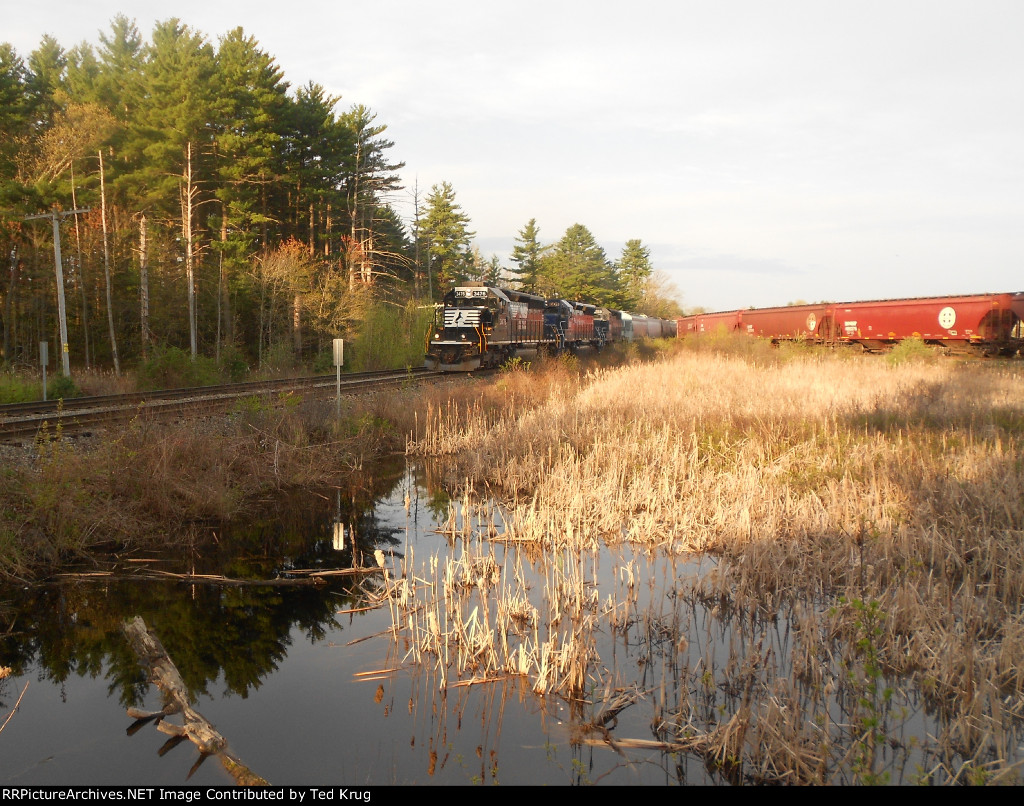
(309, 687)
(284, 673)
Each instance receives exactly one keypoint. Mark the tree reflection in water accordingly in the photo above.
(71, 625)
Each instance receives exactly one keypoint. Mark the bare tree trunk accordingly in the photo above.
(259, 340)
(271, 305)
(80, 266)
(416, 238)
(297, 323)
(9, 304)
(354, 213)
(144, 285)
(265, 232)
(187, 197)
(367, 265)
(197, 728)
(220, 276)
(106, 271)
(327, 237)
(312, 230)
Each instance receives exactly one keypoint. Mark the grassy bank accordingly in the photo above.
(152, 482)
(864, 519)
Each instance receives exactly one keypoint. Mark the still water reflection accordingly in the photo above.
(285, 673)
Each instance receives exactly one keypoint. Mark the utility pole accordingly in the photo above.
(55, 216)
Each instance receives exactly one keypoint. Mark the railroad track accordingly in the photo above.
(19, 421)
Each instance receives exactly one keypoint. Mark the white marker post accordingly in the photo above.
(339, 359)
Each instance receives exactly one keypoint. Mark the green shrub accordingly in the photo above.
(910, 350)
(323, 362)
(173, 368)
(17, 388)
(279, 359)
(233, 366)
(21, 388)
(389, 338)
(61, 388)
(515, 364)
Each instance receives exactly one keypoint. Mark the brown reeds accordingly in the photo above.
(152, 481)
(875, 510)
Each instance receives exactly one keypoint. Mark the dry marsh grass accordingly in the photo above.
(873, 509)
(151, 482)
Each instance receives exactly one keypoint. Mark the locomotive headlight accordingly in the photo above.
(463, 336)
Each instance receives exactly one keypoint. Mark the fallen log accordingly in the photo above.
(293, 578)
(195, 727)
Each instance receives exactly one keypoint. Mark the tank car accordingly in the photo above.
(644, 327)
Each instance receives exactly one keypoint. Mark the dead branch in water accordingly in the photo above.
(195, 727)
(300, 577)
(14, 710)
(623, 699)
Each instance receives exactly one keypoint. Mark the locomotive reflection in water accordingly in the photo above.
(480, 326)
(984, 323)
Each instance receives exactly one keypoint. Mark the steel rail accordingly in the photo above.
(74, 415)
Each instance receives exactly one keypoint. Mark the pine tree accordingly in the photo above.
(15, 129)
(176, 147)
(448, 238)
(577, 269)
(371, 177)
(117, 86)
(317, 147)
(527, 254)
(250, 106)
(15, 119)
(47, 65)
(633, 271)
(120, 56)
(493, 272)
(82, 74)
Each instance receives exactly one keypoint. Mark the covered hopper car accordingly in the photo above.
(986, 323)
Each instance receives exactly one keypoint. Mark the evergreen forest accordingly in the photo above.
(207, 207)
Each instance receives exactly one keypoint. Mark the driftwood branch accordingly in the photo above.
(622, 700)
(301, 577)
(14, 710)
(195, 726)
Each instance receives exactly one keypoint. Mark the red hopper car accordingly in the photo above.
(987, 323)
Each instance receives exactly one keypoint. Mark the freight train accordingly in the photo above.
(984, 323)
(479, 326)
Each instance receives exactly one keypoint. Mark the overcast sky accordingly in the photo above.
(765, 152)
